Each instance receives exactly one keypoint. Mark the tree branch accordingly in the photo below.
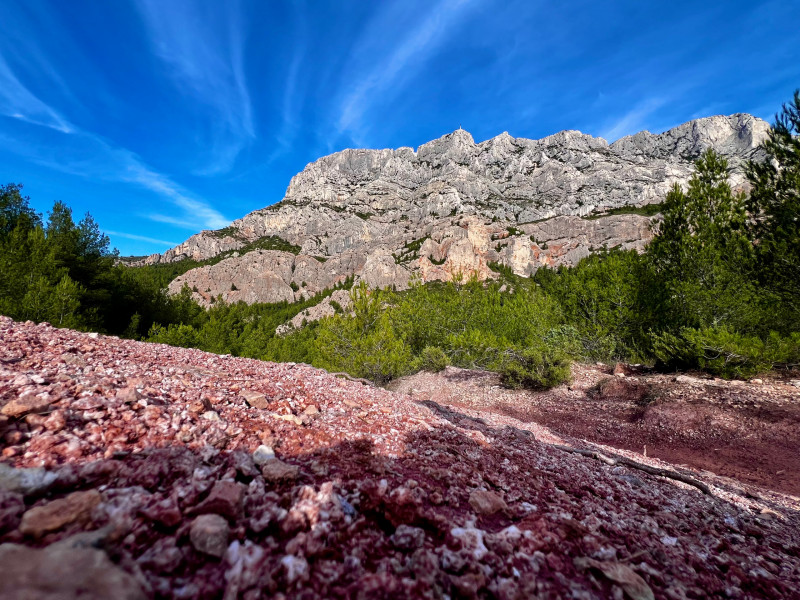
(621, 460)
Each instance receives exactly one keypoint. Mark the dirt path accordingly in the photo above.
(746, 431)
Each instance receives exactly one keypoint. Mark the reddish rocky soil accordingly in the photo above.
(134, 470)
(748, 431)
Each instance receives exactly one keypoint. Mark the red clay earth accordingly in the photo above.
(746, 431)
(132, 470)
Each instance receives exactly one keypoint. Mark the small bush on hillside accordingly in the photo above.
(433, 359)
(183, 336)
(533, 367)
(726, 353)
(566, 339)
(364, 344)
(374, 353)
(473, 349)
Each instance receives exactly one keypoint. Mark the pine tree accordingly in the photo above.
(775, 207)
(66, 300)
(702, 252)
(15, 210)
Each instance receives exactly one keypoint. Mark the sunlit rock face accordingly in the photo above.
(452, 207)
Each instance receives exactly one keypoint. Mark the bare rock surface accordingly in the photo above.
(454, 207)
(337, 301)
(75, 508)
(381, 495)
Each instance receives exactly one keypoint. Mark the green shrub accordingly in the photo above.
(502, 269)
(184, 336)
(474, 348)
(533, 367)
(609, 301)
(226, 232)
(375, 354)
(726, 353)
(433, 359)
(364, 344)
(566, 339)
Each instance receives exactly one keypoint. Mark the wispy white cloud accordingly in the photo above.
(25, 26)
(189, 224)
(290, 120)
(292, 101)
(634, 120)
(204, 52)
(408, 56)
(17, 102)
(196, 211)
(90, 157)
(140, 238)
(84, 154)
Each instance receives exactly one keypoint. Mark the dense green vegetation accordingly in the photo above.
(775, 203)
(648, 210)
(430, 326)
(64, 273)
(242, 330)
(718, 289)
(246, 330)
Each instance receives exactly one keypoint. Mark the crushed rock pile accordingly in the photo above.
(133, 470)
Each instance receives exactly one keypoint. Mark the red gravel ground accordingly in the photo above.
(746, 431)
(128, 471)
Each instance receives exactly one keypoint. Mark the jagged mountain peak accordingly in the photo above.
(454, 205)
(458, 144)
(735, 136)
(459, 135)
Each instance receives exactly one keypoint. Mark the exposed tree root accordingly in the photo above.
(621, 460)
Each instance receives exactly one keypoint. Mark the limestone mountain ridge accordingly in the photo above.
(453, 207)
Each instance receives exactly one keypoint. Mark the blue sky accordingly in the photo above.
(164, 117)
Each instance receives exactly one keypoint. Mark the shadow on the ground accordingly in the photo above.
(355, 523)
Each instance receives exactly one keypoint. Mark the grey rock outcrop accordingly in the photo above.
(267, 276)
(200, 246)
(340, 299)
(455, 206)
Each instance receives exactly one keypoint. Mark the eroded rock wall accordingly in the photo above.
(454, 206)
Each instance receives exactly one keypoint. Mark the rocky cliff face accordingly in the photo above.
(456, 206)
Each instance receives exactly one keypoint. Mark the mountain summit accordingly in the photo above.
(454, 206)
